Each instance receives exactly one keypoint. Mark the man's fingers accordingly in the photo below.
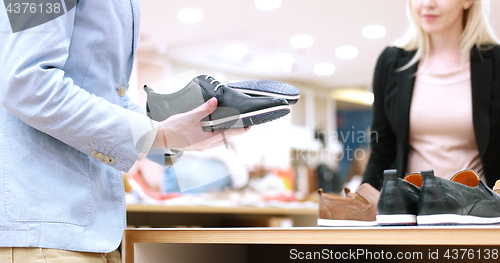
(204, 110)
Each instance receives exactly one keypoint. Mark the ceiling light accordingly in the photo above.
(190, 15)
(324, 69)
(346, 52)
(283, 61)
(374, 31)
(353, 95)
(235, 51)
(301, 41)
(368, 98)
(267, 4)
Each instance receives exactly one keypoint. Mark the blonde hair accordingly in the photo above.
(477, 32)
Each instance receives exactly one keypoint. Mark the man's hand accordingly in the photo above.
(184, 131)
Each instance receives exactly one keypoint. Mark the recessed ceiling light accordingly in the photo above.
(374, 31)
(235, 51)
(346, 52)
(267, 4)
(324, 69)
(301, 41)
(283, 61)
(190, 15)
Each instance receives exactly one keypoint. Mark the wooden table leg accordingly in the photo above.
(127, 248)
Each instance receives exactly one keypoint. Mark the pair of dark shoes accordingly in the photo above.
(425, 199)
(240, 104)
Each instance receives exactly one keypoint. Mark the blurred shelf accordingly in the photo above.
(161, 216)
(220, 210)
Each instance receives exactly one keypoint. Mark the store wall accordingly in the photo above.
(353, 132)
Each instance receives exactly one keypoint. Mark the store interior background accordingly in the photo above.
(322, 142)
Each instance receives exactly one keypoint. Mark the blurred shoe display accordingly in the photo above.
(145, 192)
(356, 209)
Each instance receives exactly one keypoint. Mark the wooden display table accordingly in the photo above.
(211, 245)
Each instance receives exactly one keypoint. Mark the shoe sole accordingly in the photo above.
(396, 220)
(453, 219)
(331, 222)
(247, 119)
(290, 98)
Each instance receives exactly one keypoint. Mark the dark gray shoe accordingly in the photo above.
(235, 109)
(398, 200)
(268, 88)
(464, 199)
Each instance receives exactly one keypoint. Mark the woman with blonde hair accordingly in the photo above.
(437, 94)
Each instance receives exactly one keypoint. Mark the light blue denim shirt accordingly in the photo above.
(63, 106)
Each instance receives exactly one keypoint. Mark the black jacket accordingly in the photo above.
(391, 110)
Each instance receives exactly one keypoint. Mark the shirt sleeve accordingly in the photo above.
(36, 91)
(150, 132)
(165, 157)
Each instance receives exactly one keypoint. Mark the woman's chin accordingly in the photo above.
(432, 29)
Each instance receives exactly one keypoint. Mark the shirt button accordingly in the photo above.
(121, 91)
(111, 160)
(106, 159)
(99, 156)
(93, 153)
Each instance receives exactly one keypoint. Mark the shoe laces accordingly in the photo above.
(214, 81)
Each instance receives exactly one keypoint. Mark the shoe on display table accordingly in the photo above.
(356, 209)
(464, 199)
(398, 199)
(496, 187)
(235, 109)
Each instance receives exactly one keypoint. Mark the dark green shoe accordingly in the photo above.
(464, 199)
(235, 109)
(398, 199)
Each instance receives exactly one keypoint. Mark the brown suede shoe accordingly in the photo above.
(358, 209)
(496, 188)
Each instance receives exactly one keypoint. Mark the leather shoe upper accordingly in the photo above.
(361, 205)
(464, 194)
(230, 102)
(398, 196)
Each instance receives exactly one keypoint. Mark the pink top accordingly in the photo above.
(441, 130)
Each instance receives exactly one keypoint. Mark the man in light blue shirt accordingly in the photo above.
(68, 128)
